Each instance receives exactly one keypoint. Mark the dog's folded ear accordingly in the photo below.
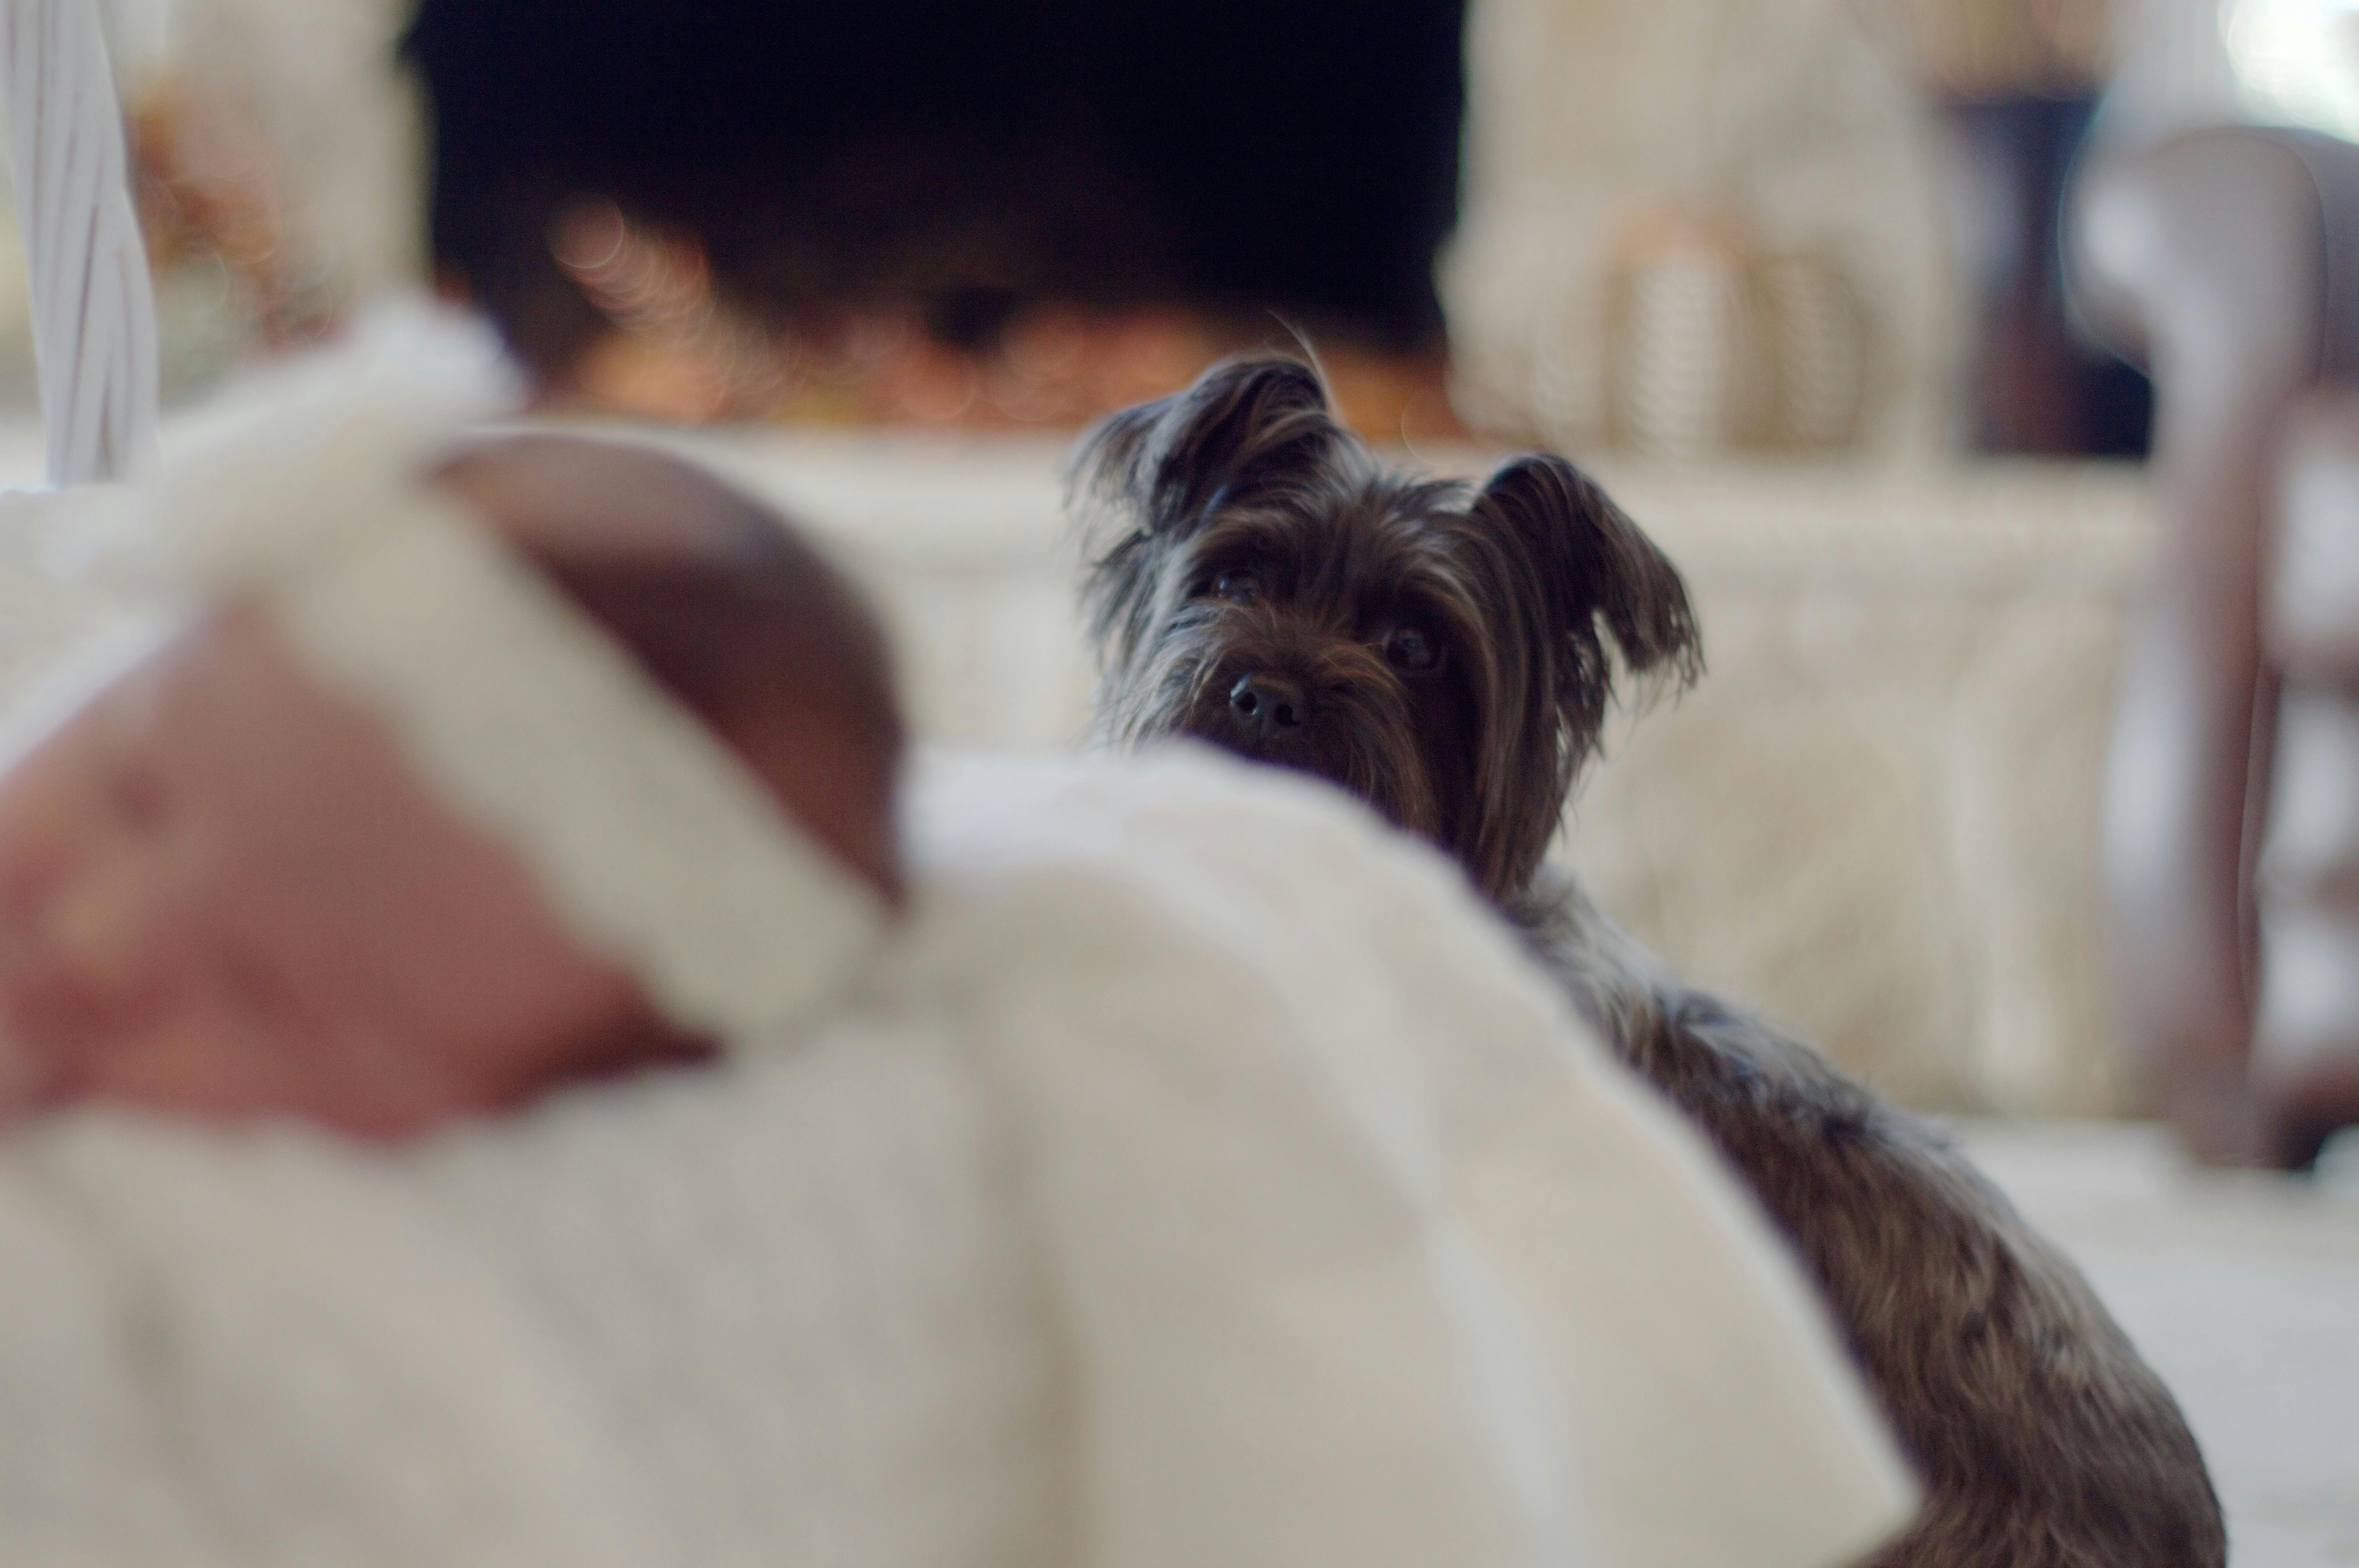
(1599, 575)
(1149, 477)
(1161, 467)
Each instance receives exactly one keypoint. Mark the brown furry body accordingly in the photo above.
(1448, 654)
(2042, 1437)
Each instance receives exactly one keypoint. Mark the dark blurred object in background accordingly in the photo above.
(2032, 384)
(2018, 83)
(970, 163)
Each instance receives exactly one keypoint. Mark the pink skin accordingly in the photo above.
(223, 892)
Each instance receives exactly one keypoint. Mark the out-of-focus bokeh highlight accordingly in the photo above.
(1682, 230)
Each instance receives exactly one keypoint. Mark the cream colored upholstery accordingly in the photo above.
(1875, 817)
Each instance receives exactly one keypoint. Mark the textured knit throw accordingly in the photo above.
(1203, 1178)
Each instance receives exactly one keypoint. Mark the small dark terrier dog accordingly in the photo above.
(1261, 580)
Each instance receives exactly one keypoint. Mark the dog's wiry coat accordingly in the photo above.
(1448, 652)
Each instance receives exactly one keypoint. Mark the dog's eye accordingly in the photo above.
(1412, 648)
(1239, 585)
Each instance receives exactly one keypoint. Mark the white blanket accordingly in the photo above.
(1206, 1179)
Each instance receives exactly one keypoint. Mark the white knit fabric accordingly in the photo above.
(1205, 1179)
(799, 1294)
(1703, 1412)
(260, 1352)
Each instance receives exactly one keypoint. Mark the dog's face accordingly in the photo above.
(1261, 580)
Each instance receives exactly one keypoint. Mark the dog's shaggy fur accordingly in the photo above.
(1449, 652)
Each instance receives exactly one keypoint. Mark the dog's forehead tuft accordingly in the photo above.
(1373, 529)
(1424, 525)
(1389, 511)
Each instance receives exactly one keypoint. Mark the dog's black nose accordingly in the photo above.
(1269, 707)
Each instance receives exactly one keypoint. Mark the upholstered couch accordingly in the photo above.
(1877, 815)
